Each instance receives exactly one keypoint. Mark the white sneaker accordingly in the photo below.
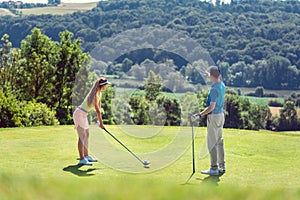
(211, 171)
(84, 161)
(222, 170)
(90, 159)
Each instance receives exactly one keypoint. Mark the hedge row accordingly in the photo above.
(15, 113)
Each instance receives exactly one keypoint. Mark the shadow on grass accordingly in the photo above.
(211, 180)
(75, 169)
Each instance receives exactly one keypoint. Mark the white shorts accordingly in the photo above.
(80, 119)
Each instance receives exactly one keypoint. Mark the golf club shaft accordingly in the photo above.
(193, 147)
(123, 146)
(193, 140)
(189, 178)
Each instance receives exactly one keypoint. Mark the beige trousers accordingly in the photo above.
(215, 142)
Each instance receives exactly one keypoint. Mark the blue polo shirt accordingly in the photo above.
(217, 94)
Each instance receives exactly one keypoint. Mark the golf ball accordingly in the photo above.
(146, 162)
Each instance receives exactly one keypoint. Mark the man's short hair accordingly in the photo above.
(214, 71)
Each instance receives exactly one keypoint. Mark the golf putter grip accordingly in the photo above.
(192, 117)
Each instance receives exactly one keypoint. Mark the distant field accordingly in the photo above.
(64, 8)
(276, 111)
(4, 12)
(279, 93)
(263, 101)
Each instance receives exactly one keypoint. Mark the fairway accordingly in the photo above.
(41, 163)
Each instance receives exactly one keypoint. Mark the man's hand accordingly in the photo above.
(206, 74)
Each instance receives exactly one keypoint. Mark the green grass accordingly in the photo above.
(40, 163)
(263, 101)
(279, 93)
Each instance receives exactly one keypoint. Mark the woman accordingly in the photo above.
(91, 101)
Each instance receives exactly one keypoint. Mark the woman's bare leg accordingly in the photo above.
(86, 143)
(81, 138)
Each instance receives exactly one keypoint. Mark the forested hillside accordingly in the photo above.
(255, 43)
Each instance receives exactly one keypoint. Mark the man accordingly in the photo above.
(215, 122)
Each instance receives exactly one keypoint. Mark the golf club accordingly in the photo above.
(193, 148)
(145, 162)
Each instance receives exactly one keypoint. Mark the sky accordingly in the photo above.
(77, 1)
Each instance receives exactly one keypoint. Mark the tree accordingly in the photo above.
(157, 114)
(127, 64)
(224, 66)
(9, 110)
(238, 73)
(55, 2)
(232, 111)
(154, 109)
(288, 116)
(49, 70)
(153, 86)
(202, 98)
(240, 113)
(194, 72)
(39, 55)
(276, 75)
(172, 110)
(71, 61)
(122, 110)
(191, 104)
(9, 67)
(107, 112)
(138, 72)
(139, 108)
(259, 92)
(252, 116)
(6, 66)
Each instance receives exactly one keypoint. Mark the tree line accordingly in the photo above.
(38, 88)
(41, 71)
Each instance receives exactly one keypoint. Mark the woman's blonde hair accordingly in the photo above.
(93, 92)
